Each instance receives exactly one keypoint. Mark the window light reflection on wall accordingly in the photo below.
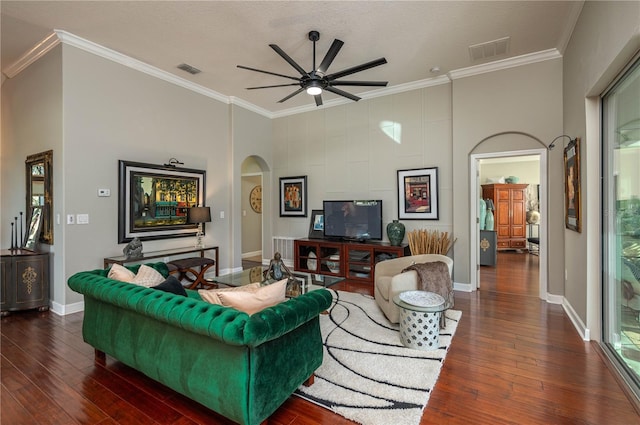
(392, 129)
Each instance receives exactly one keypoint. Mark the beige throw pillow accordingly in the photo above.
(253, 302)
(211, 295)
(148, 277)
(121, 273)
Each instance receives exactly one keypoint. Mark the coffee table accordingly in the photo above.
(308, 281)
(420, 325)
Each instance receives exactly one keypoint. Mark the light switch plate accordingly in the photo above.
(104, 192)
(82, 219)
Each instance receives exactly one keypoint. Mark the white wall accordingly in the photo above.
(605, 38)
(112, 112)
(345, 153)
(508, 110)
(32, 123)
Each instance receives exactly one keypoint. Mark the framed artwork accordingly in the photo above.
(316, 225)
(153, 200)
(293, 196)
(572, 185)
(418, 194)
(32, 237)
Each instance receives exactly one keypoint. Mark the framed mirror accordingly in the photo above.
(39, 169)
(32, 237)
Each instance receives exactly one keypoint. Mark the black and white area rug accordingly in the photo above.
(367, 375)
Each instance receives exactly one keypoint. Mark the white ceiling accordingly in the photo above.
(215, 36)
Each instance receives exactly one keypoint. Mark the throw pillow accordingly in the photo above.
(147, 276)
(253, 302)
(211, 295)
(171, 285)
(121, 273)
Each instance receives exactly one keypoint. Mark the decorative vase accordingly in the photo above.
(483, 213)
(490, 220)
(395, 232)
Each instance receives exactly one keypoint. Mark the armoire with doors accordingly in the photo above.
(510, 215)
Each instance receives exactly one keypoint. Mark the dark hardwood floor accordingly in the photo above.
(513, 360)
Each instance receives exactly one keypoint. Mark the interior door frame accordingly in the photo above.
(474, 225)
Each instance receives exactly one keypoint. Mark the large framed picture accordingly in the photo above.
(293, 196)
(572, 185)
(316, 225)
(418, 194)
(153, 200)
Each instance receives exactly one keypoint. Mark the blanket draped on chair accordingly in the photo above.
(434, 277)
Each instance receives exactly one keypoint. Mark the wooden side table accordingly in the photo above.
(193, 269)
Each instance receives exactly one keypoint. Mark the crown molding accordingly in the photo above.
(104, 52)
(61, 36)
(400, 88)
(505, 64)
(250, 106)
(32, 55)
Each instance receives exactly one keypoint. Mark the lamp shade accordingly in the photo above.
(199, 215)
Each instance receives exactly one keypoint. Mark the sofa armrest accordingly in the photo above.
(223, 323)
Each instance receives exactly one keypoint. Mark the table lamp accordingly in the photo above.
(199, 215)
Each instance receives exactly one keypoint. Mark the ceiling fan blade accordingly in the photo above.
(342, 93)
(291, 95)
(330, 56)
(355, 69)
(359, 83)
(277, 85)
(288, 59)
(318, 100)
(268, 72)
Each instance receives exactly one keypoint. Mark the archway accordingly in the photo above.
(493, 147)
(253, 194)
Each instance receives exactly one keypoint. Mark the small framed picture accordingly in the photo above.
(418, 194)
(293, 196)
(316, 225)
(572, 185)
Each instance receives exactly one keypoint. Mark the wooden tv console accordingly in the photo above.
(351, 260)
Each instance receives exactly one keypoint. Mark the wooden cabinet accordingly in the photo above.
(510, 214)
(25, 280)
(352, 260)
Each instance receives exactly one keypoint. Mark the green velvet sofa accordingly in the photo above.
(243, 367)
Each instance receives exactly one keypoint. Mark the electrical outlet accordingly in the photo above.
(221, 214)
(104, 192)
(71, 219)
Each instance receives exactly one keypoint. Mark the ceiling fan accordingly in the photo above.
(317, 80)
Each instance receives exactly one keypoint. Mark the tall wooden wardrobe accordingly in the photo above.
(510, 213)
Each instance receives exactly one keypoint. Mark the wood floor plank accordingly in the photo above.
(514, 360)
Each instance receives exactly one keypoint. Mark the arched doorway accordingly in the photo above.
(252, 206)
(489, 152)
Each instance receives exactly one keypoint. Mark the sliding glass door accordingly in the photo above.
(621, 223)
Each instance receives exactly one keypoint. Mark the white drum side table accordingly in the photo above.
(420, 326)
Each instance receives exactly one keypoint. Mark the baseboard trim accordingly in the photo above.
(252, 254)
(583, 331)
(462, 287)
(65, 309)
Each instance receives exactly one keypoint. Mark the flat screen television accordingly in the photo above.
(353, 220)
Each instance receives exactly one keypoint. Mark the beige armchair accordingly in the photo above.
(389, 281)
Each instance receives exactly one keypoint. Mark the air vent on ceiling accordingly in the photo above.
(489, 49)
(188, 68)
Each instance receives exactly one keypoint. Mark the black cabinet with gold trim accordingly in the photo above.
(24, 279)
(488, 249)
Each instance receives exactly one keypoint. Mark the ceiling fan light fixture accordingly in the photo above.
(314, 90)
